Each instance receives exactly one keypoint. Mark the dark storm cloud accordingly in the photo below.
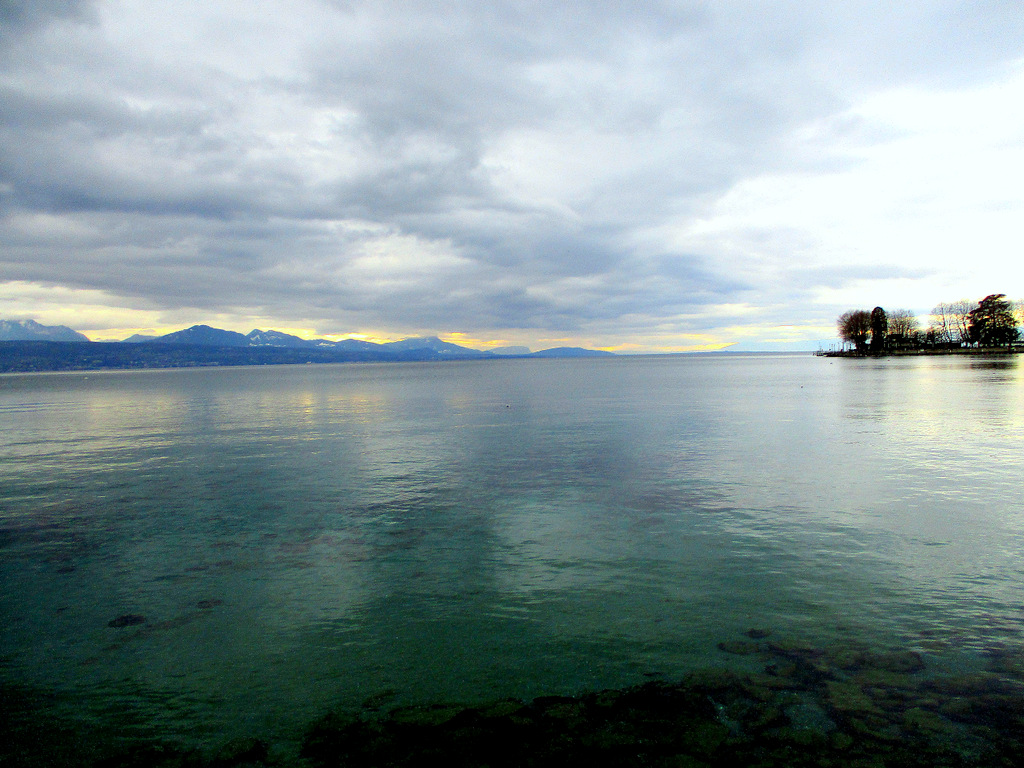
(431, 165)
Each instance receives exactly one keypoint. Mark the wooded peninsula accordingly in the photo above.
(989, 325)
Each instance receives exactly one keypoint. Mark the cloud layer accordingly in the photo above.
(663, 175)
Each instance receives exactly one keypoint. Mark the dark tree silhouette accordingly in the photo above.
(855, 327)
(879, 329)
(991, 323)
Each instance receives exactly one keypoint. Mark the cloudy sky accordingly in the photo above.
(647, 176)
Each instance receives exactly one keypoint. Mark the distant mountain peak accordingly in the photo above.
(433, 344)
(30, 330)
(204, 335)
(258, 338)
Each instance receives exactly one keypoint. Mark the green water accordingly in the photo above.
(303, 538)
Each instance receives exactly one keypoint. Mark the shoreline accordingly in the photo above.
(965, 351)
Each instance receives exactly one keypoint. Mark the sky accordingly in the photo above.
(640, 177)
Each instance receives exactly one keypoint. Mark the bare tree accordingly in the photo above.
(960, 316)
(854, 328)
(941, 324)
(903, 325)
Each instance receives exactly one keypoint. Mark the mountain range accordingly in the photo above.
(204, 335)
(28, 346)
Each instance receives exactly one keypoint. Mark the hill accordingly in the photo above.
(572, 352)
(204, 335)
(30, 330)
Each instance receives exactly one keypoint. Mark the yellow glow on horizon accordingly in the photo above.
(120, 334)
(476, 342)
(639, 349)
(465, 340)
(373, 338)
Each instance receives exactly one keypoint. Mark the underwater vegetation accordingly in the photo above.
(844, 705)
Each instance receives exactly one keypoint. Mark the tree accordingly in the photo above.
(903, 325)
(959, 315)
(991, 323)
(879, 329)
(941, 325)
(855, 327)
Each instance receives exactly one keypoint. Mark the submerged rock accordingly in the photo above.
(501, 708)
(794, 648)
(377, 700)
(925, 721)
(434, 714)
(738, 647)
(1007, 661)
(812, 706)
(898, 661)
(848, 658)
(848, 698)
(241, 752)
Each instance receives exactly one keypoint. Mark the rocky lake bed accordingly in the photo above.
(797, 705)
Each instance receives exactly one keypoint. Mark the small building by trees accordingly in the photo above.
(903, 328)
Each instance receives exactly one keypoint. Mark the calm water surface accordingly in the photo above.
(302, 538)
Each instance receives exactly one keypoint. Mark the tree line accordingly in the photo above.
(991, 322)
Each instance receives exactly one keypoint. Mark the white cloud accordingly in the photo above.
(611, 173)
(926, 183)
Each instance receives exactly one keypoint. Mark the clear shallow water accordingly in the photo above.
(307, 537)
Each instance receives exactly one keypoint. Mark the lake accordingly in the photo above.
(203, 554)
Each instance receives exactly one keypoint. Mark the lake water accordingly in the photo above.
(304, 538)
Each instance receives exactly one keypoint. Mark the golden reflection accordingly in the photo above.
(360, 403)
(311, 406)
(979, 395)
